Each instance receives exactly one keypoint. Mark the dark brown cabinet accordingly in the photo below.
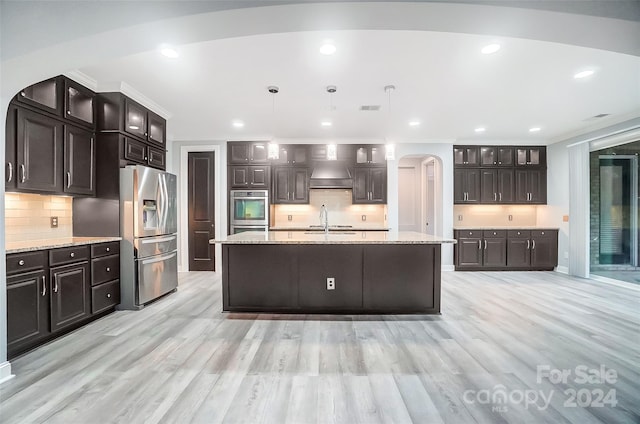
(39, 152)
(70, 294)
(292, 154)
(466, 186)
(496, 156)
(531, 186)
(105, 276)
(496, 186)
(501, 250)
(248, 152)
(290, 185)
(79, 103)
(44, 95)
(466, 156)
(370, 185)
(255, 177)
(27, 300)
(10, 170)
(370, 155)
(143, 123)
(79, 161)
(500, 174)
(531, 156)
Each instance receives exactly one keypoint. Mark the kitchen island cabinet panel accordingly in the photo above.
(263, 276)
(344, 264)
(401, 278)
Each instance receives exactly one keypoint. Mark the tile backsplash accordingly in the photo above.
(498, 215)
(28, 217)
(340, 207)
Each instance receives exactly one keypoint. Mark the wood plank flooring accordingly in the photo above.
(181, 360)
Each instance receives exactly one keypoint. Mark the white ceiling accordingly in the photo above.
(441, 79)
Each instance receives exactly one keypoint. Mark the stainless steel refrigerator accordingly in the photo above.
(148, 227)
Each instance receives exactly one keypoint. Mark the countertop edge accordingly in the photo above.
(29, 246)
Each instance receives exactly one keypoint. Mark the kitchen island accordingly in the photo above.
(338, 272)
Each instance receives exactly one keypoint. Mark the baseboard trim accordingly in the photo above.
(5, 372)
(562, 269)
(613, 282)
(448, 268)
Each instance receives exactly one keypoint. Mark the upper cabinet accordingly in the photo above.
(117, 112)
(292, 154)
(495, 174)
(466, 156)
(79, 103)
(531, 156)
(248, 153)
(45, 95)
(370, 155)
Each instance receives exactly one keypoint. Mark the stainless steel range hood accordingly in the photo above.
(330, 174)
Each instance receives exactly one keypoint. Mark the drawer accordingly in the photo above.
(104, 269)
(67, 255)
(542, 233)
(27, 261)
(469, 233)
(494, 233)
(105, 296)
(519, 234)
(105, 249)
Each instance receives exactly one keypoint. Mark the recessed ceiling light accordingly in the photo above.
(491, 48)
(480, 129)
(237, 124)
(414, 123)
(328, 48)
(169, 52)
(326, 123)
(583, 74)
(534, 129)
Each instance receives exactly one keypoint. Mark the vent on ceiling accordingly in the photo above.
(601, 115)
(370, 107)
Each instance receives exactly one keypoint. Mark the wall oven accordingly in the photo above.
(249, 210)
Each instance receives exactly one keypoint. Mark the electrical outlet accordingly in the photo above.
(54, 222)
(510, 217)
(289, 218)
(331, 283)
(364, 217)
(459, 217)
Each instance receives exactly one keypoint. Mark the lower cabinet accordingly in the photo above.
(50, 292)
(502, 250)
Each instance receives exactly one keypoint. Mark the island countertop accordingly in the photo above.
(334, 237)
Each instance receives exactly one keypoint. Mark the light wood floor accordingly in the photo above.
(181, 360)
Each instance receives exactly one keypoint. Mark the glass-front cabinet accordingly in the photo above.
(43, 95)
(79, 103)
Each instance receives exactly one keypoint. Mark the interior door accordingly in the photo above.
(201, 211)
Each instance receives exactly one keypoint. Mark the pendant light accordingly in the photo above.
(390, 148)
(273, 151)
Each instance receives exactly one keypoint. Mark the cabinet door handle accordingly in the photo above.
(72, 254)
(24, 174)
(533, 242)
(44, 286)
(108, 295)
(68, 179)
(501, 197)
(528, 244)
(108, 249)
(55, 284)
(10, 172)
(485, 245)
(495, 197)
(108, 269)
(479, 245)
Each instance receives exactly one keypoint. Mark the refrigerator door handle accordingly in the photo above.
(158, 258)
(157, 240)
(165, 213)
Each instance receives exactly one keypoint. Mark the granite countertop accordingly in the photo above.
(498, 227)
(31, 245)
(335, 237)
(331, 228)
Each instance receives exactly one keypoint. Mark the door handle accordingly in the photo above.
(159, 258)
(10, 172)
(68, 179)
(485, 245)
(501, 197)
(24, 175)
(158, 240)
(479, 245)
(55, 284)
(533, 242)
(528, 244)
(44, 286)
(495, 197)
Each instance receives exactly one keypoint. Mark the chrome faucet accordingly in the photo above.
(324, 218)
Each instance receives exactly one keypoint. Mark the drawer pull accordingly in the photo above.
(72, 254)
(108, 269)
(108, 249)
(21, 262)
(44, 285)
(108, 295)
